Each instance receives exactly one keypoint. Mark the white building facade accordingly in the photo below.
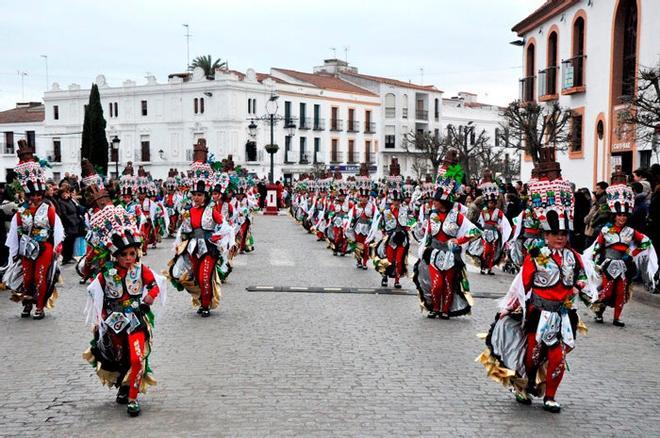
(25, 122)
(157, 123)
(585, 54)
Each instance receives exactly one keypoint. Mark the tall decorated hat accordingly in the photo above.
(143, 181)
(620, 197)
(394, 181)
(29, 171)
(449, 179)
(489, 189)
(551, 196)
(128, 182)
(171, 183)
(362, 180)
(114, 228)
(202, 175)
(91, 185)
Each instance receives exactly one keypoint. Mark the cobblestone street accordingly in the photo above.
(318, 364)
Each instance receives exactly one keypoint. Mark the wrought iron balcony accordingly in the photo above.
(369, 127)
(305, 123)
(318, 124)
(573, 72)
(421, 115)
(336, 156)
(548, 81)
(353, 126)
(527, 89)
(336, 125)
(303, 159)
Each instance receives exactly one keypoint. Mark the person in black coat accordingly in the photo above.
(69, 212)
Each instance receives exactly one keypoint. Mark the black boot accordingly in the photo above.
(39, 314)
(383, 282)
(618, 323)
(133, 408)
(27, 309)
(205, 313)
(122, 395)
(550, 405)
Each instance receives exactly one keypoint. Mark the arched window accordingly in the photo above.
(390, 106)
(201, 105)
(551, 72)
(404, 106)
(196, 105)
(527, 83)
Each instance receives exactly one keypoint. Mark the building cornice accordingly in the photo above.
(550, 9)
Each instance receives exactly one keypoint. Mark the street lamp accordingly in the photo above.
(272, 118)
(115, 147)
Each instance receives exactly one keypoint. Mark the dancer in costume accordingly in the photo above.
(537, 324)
(440, 274)
(339, 218)
(391, 252)
(620, 252)
(361, 216)
(172, 201)
(198, 265)
(119, 307)
(495, 226)
(34, 240)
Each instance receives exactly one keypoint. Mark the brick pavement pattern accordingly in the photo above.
(293, 364)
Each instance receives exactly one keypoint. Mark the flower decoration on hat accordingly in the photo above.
(449, 179)
(114, 229)
(29, 170)
(551, 196)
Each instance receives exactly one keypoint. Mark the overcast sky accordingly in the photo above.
(462, 45)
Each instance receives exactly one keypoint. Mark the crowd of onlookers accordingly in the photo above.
(591, 210)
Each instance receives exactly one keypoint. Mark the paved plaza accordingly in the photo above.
(318, 364)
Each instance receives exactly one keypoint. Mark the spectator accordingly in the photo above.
(639, 218)
(599, 215)
(69, 212)
(582, 207)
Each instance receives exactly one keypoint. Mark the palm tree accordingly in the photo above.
(208, 65)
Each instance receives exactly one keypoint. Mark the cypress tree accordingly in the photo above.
(94, 141)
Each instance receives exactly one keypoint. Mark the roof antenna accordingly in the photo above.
(421, 73)
(334, 52)
(346, 49)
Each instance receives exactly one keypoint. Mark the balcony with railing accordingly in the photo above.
(336, 156)
(369, 127)
(304, 158)
(572, 78)
(548, 83)
(527, 89)
(353, 126)
(336, 125)
(390, 112)
(318, 157)
(318, 124)
(305, 123)
(421, 114)
(288, 156)
(370, 158)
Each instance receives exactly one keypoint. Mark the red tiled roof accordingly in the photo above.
(542, 14)
(325, 81)
(23, 115)
(394, 82)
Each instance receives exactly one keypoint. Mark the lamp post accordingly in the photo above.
(272, 118)
(115, 147)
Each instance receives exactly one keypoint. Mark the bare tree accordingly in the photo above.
(643, 110)
(470, 146)
(318, 170)
(488, 157)
(420, 167)
(529, 126)
(426, 147)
